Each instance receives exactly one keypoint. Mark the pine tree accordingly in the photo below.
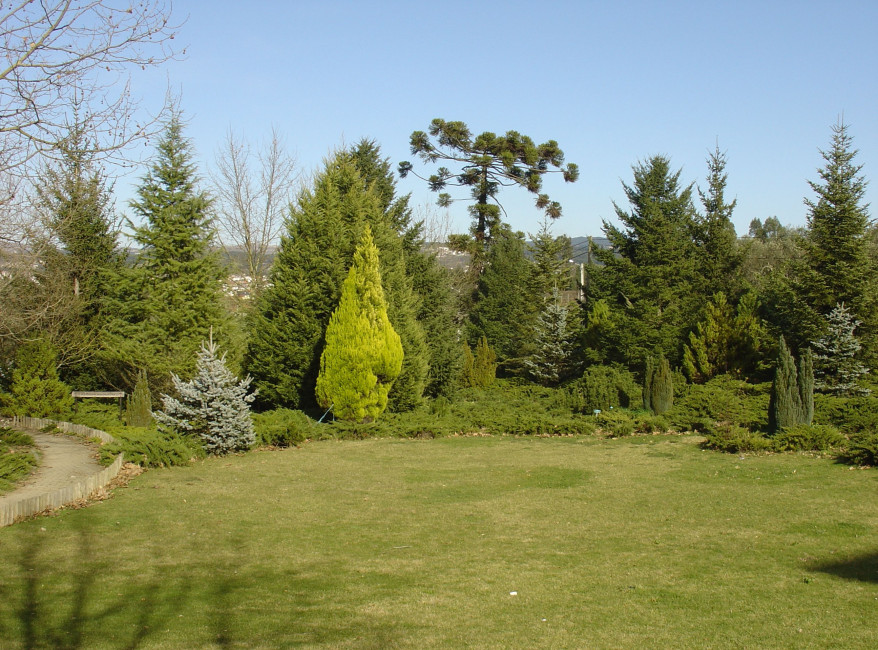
(363, 354)
(658, 386)
(35, 390)
(792, 392)
(170, 301)
(838, 369)
(138, 405)
(213, 406)
(551, 361)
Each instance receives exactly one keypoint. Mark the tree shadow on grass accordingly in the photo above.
(863, 568)
(51, 600)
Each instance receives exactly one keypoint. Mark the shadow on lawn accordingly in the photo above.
(52, 602)
(863, 568)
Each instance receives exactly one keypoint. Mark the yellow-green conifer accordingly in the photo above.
(363, 353)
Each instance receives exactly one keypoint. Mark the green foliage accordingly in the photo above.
(479, 371)
(863, 448)
(719, 256)
(723, 399)
(551, 257)
(808, 437)
(838, 369)
(649, 278)
(852, 415)
(792, 392)
(35, 390)
(150, 447)
(17, 457)
(102, 416)
(488, 162)
(553, 339)
(363, 354)
(138, 405)
(615, 423)
(734, 439)
(171, 300)
(283, 428)
(658, 386)
(602, 388)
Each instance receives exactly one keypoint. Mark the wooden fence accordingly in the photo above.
(11, 512)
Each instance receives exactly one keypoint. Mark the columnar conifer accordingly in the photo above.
(363, 354)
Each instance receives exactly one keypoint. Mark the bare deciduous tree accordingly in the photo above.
(252, 198)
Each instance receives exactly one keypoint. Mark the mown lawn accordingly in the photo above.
(640, 542)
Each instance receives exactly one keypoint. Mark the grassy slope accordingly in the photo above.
(393, 543)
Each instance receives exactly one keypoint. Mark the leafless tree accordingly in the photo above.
(253, 193)
(436, 225)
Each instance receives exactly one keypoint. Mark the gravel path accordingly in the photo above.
(63, 460)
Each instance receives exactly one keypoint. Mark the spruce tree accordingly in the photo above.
(551, 259)
(838, 368)
(839, 268)
(213, 406)
(363, 354)
(172, 298)
(719, 258)
(551, 361)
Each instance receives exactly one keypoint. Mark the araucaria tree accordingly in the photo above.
(792, 392)
(363, 354)
(172, 298)
(486, 163)
(214, 406)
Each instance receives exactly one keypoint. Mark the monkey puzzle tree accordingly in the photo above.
(487, 162)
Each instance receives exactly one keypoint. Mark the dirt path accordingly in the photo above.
(63, 461)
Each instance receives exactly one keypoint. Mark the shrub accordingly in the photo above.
(97, 415)
(733, 439)
(658, 386)
(615, 423)
(851, 415)
(17, 457)
(602, 388)
(35, 390)
(808, 437)
(863, 448)
(649, 424)
(138, 406)
(792, 392)
(722, 399)
(282, 427)
(151, 447)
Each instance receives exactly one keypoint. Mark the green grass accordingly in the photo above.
(639, 542)
(18, 458)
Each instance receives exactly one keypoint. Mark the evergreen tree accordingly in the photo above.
(840, 269)
(720, 260)
(214, 406)
(468, 370)
(649, 279)
(484, 364)
(35, 390)
(658, 387)
(551, 361)
(138, 405)
(838, 369)
(170, 301)
(504, 311)
(488, 162)
(551, 259)
(792, 392)
(363, 354)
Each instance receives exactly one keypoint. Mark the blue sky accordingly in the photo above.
(612, 82)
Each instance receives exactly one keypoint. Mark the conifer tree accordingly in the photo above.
(720, 260)
(468, 374)
(138, 405)
(792, 392)
(484, 364)
(551, 257)
(213, 406)
(363, 354)
(838, 368)
(171, 300)
(551, 361)
(658, 386)
(839, 268)
(35, 390)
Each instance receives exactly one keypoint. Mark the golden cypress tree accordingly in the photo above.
(363, 353)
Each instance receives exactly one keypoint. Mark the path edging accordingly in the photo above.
(16, 510)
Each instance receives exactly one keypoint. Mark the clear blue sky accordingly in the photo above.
(612, 82)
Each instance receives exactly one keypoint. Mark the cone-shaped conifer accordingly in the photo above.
(363, 354)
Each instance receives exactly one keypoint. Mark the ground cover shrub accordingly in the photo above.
(150, 447)
(96, 415)
(18, 457)
(849, 414)
(602, 388)
(616, 423)
(808, 437)
(734, 439)
(863, 448)
(647, 423)
(282, 428)
(722, 399)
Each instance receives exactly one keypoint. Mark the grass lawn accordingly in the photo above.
(638, 542)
